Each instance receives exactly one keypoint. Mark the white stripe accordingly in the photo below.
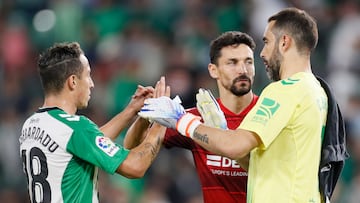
(213, 157)
(213, 163)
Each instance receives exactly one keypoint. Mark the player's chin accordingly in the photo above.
(83, 105)
(240, 91)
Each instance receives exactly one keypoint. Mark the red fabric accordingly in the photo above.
(222, 179)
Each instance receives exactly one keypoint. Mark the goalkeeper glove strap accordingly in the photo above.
(187, 124)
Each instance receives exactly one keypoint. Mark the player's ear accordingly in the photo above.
(285, 42)
(213, 70)
(71, 82)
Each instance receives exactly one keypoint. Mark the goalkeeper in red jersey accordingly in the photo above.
(232, 66)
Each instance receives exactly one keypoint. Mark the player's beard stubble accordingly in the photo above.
(273, 70)
(244, 88)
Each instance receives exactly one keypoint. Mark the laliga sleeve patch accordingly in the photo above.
(106, 145)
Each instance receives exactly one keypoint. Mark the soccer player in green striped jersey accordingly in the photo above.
(62, 151)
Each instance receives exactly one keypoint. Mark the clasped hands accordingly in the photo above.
(170, 113)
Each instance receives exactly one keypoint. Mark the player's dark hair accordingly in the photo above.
(299, 25)
(57, 63)
(230, 38)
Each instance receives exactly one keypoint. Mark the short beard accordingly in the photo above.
(242, 90)
(273, 72)
(274, 64)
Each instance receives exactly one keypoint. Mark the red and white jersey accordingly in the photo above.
(222, 179)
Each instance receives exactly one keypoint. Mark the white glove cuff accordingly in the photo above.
(187, 124)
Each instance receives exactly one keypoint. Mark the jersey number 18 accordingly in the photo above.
(36, 175)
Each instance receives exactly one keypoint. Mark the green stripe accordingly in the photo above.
(322, 133)
(77, 183)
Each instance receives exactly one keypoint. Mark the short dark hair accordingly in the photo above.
(227, 39)
(299, 24)
(57, 63)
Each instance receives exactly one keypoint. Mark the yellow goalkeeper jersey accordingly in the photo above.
(289, 118)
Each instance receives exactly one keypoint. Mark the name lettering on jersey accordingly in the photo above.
(106, 145)
(266, 110)
(39, 135)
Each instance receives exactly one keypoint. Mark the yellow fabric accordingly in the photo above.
(289, 118)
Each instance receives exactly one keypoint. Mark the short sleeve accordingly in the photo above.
(88, 143)
(270, 115)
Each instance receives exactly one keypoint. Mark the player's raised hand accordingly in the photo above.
(152, 107)
(140, 128)
(170, 113)
(161, 89)
(141, 93)
(210, 110)
(163, 110)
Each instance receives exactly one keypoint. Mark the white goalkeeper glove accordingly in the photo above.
(210, 110)
(170, 113)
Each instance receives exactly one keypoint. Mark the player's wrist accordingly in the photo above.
(132, 108)
(187, 124)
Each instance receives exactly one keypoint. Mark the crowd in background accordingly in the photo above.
(131, 42)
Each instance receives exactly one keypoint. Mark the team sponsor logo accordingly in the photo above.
(34, 120)
(215, 160)
(106, 145)
(225, 166)
(266, 110)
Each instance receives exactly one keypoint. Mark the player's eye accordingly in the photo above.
(249, 62)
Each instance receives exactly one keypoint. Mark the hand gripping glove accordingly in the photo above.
(210, 110)
(170, 113)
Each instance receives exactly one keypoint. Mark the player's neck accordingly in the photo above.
(294, 65)
(236, 104)
(61, 102)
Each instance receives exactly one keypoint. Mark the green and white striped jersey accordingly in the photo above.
(61, 154)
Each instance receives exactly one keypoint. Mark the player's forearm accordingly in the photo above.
(117, 124)
(244, 162)
(141, 157)
(136, 133)
(227, 143)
